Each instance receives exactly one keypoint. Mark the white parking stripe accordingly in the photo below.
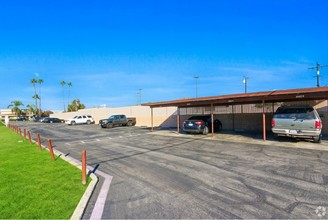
(99, 139)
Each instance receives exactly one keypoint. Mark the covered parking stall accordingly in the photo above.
(265, 103)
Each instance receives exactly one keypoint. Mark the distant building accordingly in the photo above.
(6, 112)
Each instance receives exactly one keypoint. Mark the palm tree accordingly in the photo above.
(14, 105)
(34, 81)
(36, 97)
(40, 81)
(63, 83)
(69, 91)
(31, 109)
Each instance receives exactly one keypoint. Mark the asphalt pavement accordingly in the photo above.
(167, 175)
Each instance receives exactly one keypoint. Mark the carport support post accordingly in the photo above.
(233, 117)
(212, 116)
(152, 119)
(178, 120)
(264, 124)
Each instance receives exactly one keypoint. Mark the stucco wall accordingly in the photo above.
(162, 116)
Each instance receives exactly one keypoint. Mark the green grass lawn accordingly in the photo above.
(32, 186)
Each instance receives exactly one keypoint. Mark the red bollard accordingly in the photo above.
(51, 150)
(24, 133)
(29, 136)
(84, 167)
(20, 131)
(39, 142)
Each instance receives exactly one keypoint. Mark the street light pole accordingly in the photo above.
(245, 83)
(139, 97)
(196, 77)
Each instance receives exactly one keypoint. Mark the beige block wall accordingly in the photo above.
(162, 116)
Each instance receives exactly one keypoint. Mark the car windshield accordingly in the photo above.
(111, 117)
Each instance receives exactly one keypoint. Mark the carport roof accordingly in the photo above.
(304, 94)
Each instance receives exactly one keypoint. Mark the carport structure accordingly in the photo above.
(262, 98)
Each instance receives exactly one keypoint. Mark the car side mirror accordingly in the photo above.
(321, 115)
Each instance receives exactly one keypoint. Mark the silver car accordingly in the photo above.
(297, 122)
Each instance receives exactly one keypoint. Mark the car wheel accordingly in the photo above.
(109, 125)
(220, 127)
(205, 130)
(129, 123)
(73, 123)
(317, 139)
(88, 122)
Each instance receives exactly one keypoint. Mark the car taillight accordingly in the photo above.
(198, 122)
(317, 124)
(273, 123)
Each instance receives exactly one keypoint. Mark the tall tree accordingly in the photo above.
(69, 84)
(31, 109)
(34, 81)
(14, 105)
(36, 97)
(40, 81)
(63, 83)
(75, 105)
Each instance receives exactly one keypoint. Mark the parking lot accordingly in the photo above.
(162, 174)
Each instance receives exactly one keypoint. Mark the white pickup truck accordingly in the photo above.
(80, 119)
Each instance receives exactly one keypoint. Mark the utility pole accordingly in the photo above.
(245, 83)
(196, 77)
(318, 66)
(139, 97)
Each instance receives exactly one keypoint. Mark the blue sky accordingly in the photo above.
(109, 49)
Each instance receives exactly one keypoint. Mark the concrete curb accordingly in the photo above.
(80, 208)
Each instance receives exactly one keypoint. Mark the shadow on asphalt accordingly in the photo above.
(145, 152)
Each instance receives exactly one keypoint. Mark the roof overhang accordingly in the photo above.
(317, 93)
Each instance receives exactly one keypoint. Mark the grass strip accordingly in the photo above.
(32, 186)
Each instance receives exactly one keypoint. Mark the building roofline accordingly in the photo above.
(302, 94)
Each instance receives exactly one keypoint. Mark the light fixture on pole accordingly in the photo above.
(245, 83)
(196, 77)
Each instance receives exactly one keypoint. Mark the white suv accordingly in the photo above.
(80, 119)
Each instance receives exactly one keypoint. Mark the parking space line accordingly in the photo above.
(99, 139)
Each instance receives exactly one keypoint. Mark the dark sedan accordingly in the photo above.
(52, 120)
(201, 124)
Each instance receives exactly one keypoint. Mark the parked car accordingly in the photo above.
(201, 124)
(117, 120)
(21, 118)
(53, 120)
(35, 119)
(80, 119)
(297, 122)
(42, 118)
